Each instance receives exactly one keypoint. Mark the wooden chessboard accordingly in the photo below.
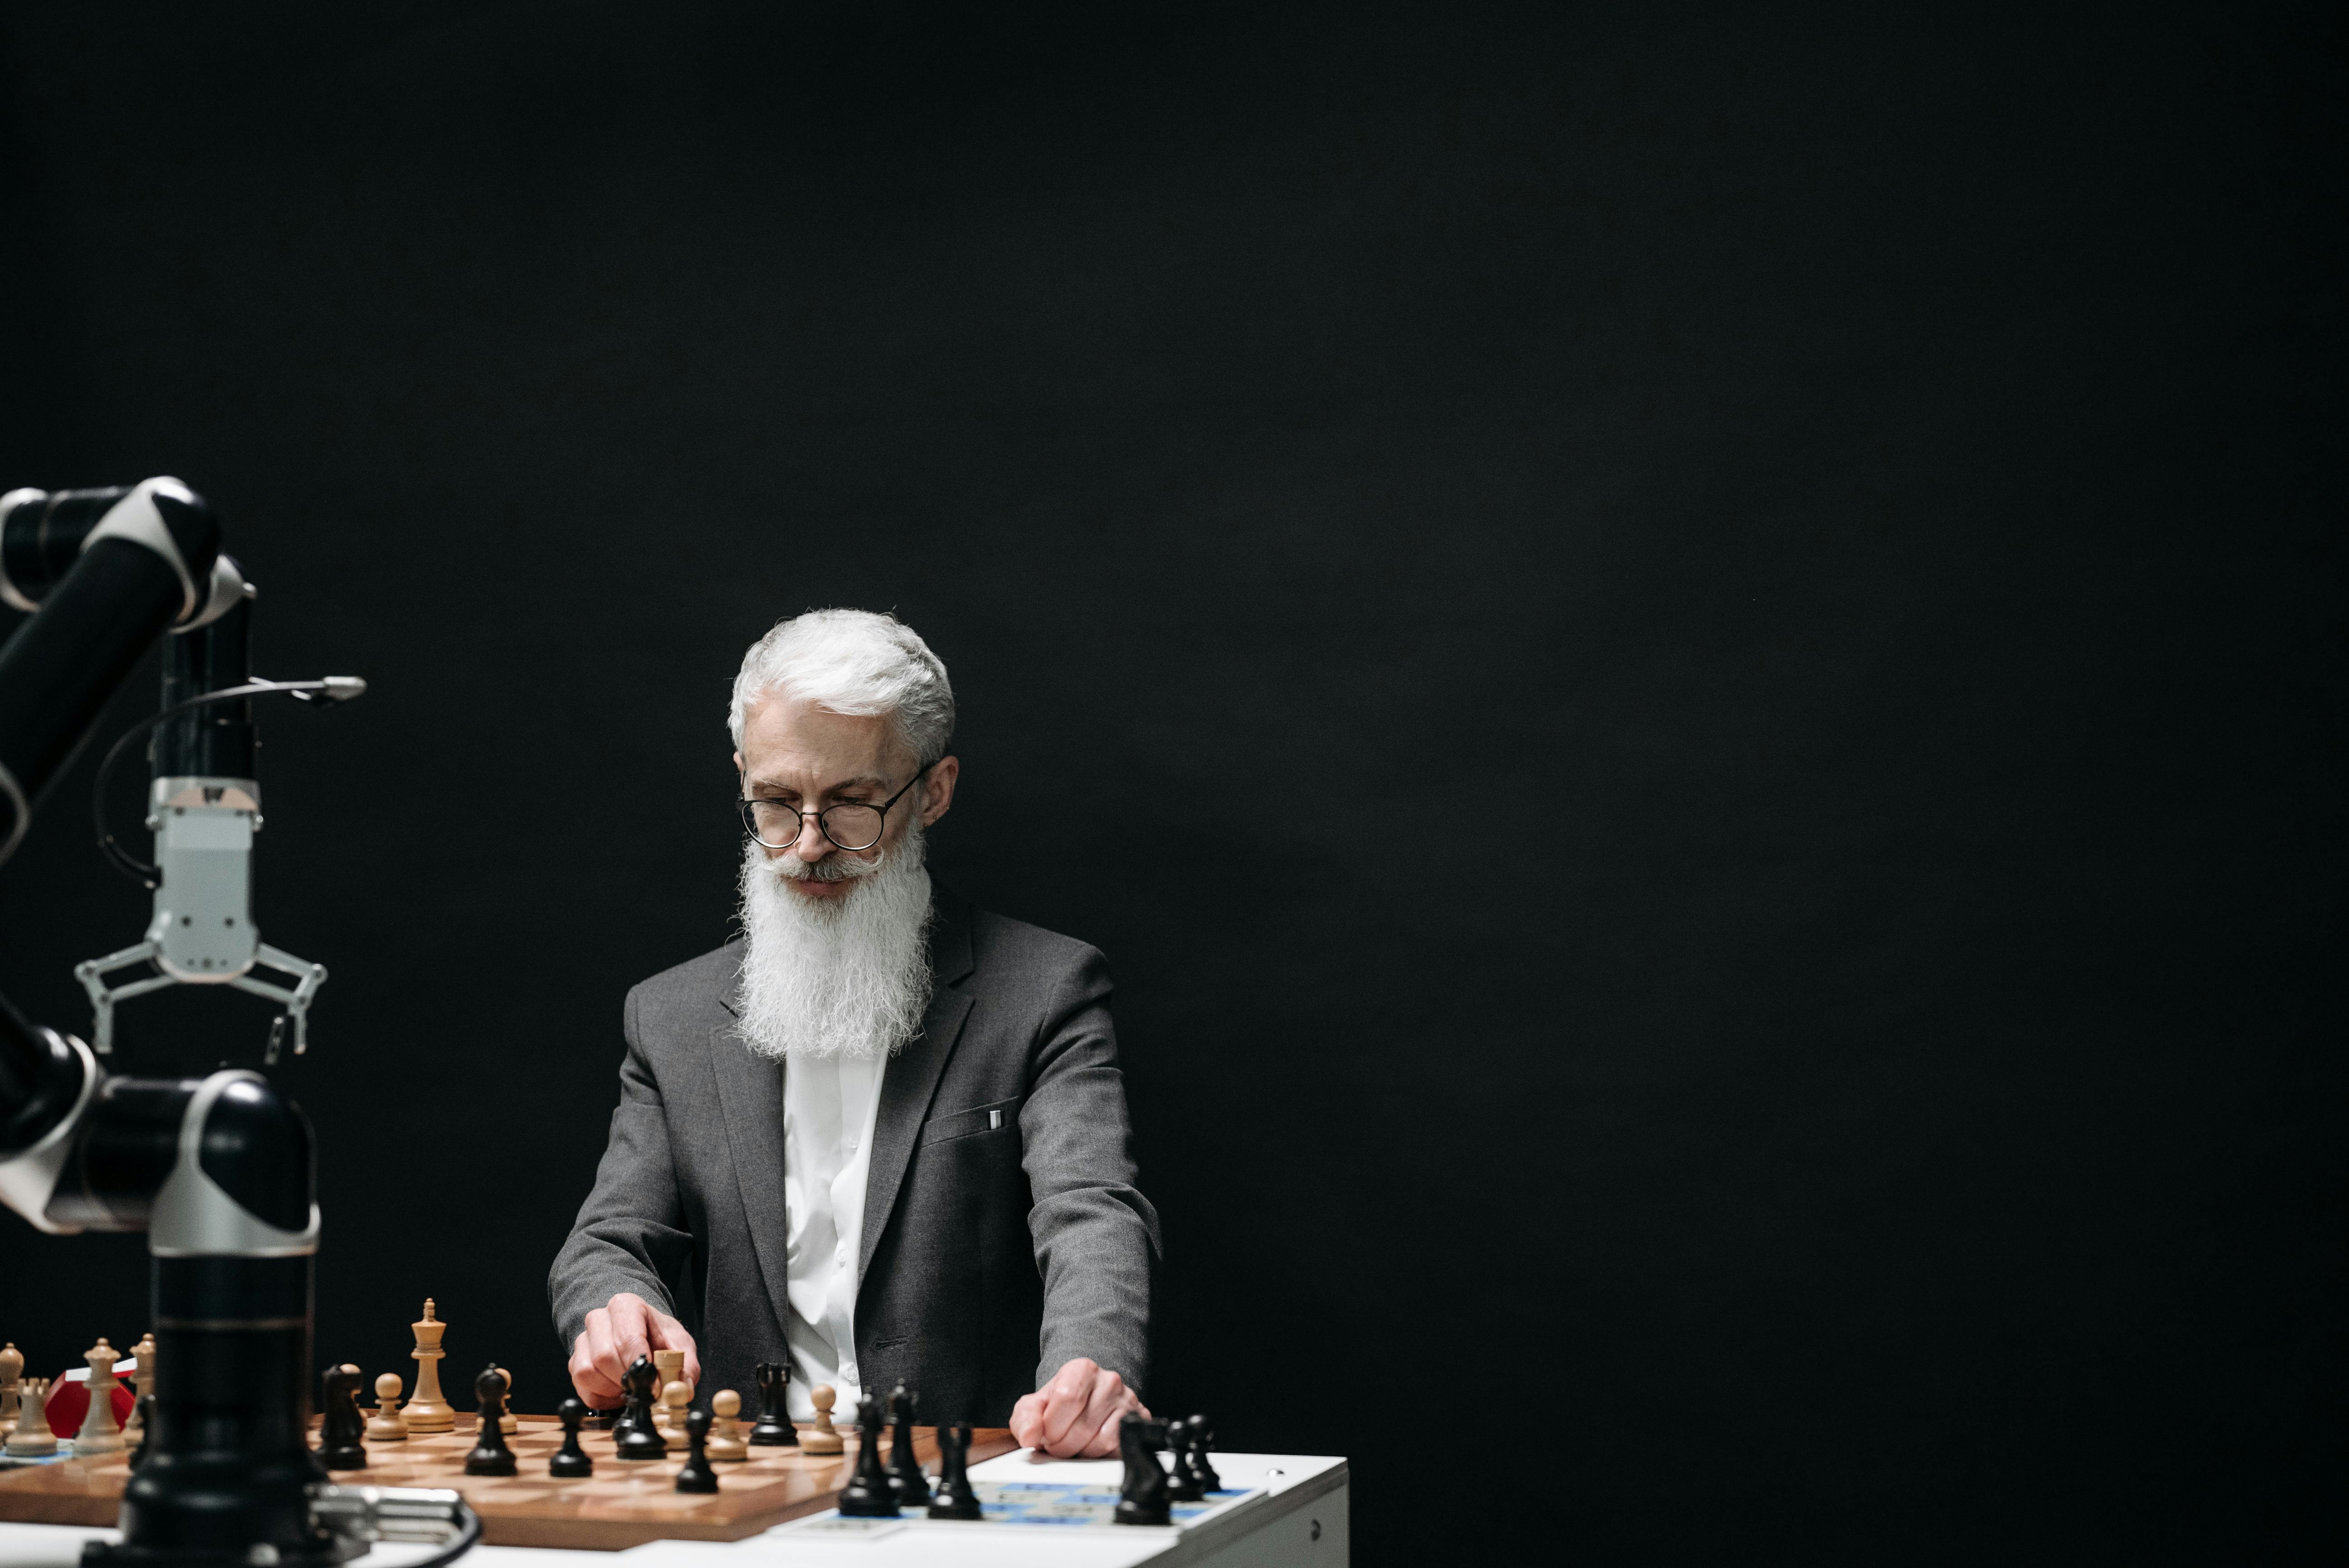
(621, 1505)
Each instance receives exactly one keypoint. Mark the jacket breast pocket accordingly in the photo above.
(1002, 1118)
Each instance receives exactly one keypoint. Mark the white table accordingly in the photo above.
(1301, 1520)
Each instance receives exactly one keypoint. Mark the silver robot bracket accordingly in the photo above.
(203, 933)
(295, 998)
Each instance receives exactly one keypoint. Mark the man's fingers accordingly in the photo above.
(1077, 1411)
(593, 1351)
(587, 1378)
(1028, 1421)
(602, 1350)
(1123, 1401)
(1105, 1403)
(630, 1337)
(1103, 1411)
(1065, 1399)
(669, 1334)
(617, 1334)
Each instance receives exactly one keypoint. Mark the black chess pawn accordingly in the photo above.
(954, 1498)
(774, 1429)
(905, 1477)
(341, 1425)
(867, 1494)
(1182, 1486)
(491, 1456)
(1191, 1454)
(570, 1461)
(1142, 1500)
(635, 1438)
(697, 1475)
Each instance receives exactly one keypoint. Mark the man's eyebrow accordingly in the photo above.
(863, 782)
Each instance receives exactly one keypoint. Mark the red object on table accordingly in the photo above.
(69, 1402)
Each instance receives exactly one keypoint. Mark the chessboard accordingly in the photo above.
(1079, 1505)
(623, 1504)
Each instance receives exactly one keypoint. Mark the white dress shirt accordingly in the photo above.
(829, 1104)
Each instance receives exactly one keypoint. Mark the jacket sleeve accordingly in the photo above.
(1096, 1236)
(630, 1234)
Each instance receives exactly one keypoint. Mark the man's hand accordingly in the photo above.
(1074, 1415)
(616, 1336)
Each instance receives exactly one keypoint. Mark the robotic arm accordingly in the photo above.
(218, 1171)
(112, 570)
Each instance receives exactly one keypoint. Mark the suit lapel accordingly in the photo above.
(912, 1074)
(750, 1088)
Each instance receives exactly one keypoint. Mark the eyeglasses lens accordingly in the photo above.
(853, 827)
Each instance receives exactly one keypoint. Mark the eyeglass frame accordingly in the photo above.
(743, 808)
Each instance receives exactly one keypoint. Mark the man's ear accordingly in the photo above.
(938, 791)
(738, 762)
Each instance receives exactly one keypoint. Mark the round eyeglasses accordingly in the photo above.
(851, 825)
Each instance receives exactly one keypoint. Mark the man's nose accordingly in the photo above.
(811, 845)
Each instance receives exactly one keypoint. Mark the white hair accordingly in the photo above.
(852, 661)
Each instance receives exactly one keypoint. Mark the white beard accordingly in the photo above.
(847, 977)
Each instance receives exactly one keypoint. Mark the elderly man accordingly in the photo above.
(883, 1134)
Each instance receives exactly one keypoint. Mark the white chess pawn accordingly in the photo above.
(386, 1425)
(32, 1438)
(142, 1385)
(12, 1372)
(825, 1439)
(508, 1423)
(726, 1442)
(669, 1420)
(100, 1432)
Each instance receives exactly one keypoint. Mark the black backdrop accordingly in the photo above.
(1682, 656)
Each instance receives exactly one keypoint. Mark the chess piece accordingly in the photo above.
(774, 1429)
(1143, 1499)
(669, 1367)
(825, 1439)
(954, 1498)
(340, 1425)
(491, 1456)
(905, 1477)
(636, 1439)
(868, 1494)
(669, 1420)
(99, 1434)
(696, 1474)
(11, 1375)
(429, 1412)
(32, 1438)
(142, 1415)
(726, 1444)
(508, 1423)
(1192, 1454)
(570, 1461)
(1182, 1486)
(142, 1385)
(386, 1425)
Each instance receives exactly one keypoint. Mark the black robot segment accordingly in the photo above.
(218, 1171)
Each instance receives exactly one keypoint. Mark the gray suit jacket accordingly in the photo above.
(991, 1253)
